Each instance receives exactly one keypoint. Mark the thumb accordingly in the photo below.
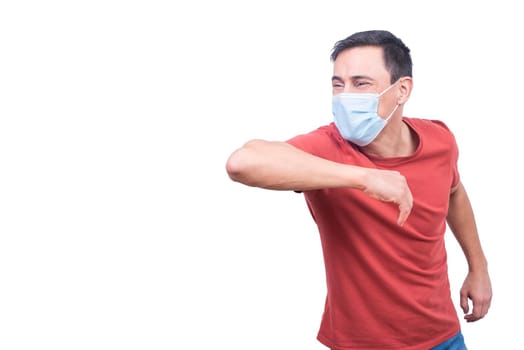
(464, 302)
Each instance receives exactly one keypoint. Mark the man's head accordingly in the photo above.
(372, 77)
(397, 58)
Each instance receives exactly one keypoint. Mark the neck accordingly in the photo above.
(396, 140)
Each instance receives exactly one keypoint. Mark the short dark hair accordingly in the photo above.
(397, 58)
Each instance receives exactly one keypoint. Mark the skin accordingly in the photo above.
(279, 166)
(477, 285)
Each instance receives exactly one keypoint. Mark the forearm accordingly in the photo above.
(461, 221)
(281, 166)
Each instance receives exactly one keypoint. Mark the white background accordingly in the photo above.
(119, 228)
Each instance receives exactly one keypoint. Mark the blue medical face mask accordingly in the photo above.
(356, 116)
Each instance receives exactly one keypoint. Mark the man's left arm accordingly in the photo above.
(477, 285)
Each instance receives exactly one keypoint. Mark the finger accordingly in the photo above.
(480, 309)
(471, 318)
(476, 313)
(405, 210)
(402, 217)
(405, 207)
(487, 306)
(464, 303)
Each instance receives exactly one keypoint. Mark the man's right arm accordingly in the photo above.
(280, 166)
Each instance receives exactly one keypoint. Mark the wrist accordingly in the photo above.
(479, 264)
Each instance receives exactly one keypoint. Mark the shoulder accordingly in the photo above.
(433, 128)
(435, 137)
(324, 141)
(427, 123)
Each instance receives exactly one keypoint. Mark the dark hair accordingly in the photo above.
(396, 55)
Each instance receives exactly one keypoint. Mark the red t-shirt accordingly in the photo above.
(387, 286)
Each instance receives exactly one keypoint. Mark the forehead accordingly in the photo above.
(361, 61)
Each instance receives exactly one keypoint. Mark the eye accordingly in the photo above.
(361, 83)
(338, 86)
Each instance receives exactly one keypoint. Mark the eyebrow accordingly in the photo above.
(353, 78)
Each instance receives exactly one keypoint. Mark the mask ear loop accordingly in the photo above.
(394, 109)
(389, 87)
(392, 112)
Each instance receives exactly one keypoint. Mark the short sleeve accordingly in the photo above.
(322, 142)
(454, 153)
(455, 176)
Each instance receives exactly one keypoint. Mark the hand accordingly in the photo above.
(390, 186)
(477, 287)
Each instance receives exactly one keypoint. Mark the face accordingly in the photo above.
(362, 70)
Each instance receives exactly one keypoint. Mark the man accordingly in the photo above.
(380, 187)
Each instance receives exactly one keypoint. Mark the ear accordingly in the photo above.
(405, 87)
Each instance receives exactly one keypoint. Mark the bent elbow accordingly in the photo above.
(234, 166)
(238, 163)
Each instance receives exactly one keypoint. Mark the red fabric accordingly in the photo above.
(387, 286)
